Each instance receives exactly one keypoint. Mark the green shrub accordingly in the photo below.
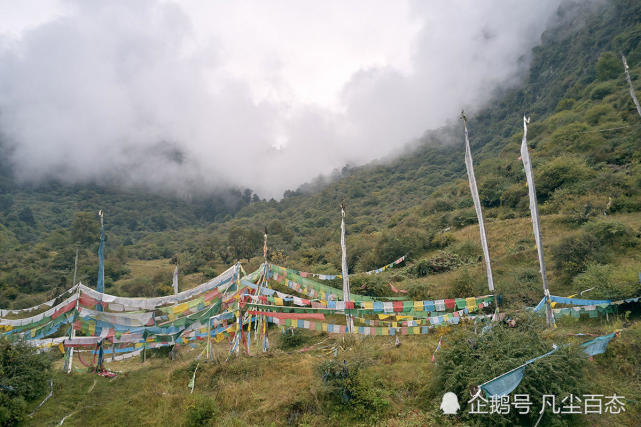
(444, 261)
(469, 251)
(572, 254)
(562, 171)
(292, 338)
(611, 233)
(373, 286)
(599, 113)
(348, 390)
(463, 285)
(565, 104)
(12, 410)
(514, 195)
(443, 240)
(608, 66)
(24, 375)
(200, 412)
(608, 282)
(401, 241)
(467, 359)
(602, 90)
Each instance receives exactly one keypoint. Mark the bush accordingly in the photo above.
(608, 66)
(599, 113)
(348, 390)
(200, 411)
(443, 240)
(292, 338)
(444, 261)
(464, 285)
(611, 233)
(373, 286)
(401, 241)
(562, 171)
(467, 359)
(26, 374)
(602, 90)
(607, 282)
(574, 253)
(469, 251)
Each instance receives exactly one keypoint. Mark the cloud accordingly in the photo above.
(194, 96)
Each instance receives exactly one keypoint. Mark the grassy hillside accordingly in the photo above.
(392, 386)
(584, 138)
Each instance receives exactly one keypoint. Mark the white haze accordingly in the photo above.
(201, 95)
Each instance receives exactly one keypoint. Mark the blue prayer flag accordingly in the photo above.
(100, 287)
(597, 345)
(505, 384)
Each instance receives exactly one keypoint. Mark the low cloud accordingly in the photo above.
(144, 94)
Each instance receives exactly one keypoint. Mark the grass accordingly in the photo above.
(279, 387)
(284, 387)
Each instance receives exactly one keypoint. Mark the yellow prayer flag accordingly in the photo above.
(278, 301)
(368, 305)
(418, 306)
(180, 308)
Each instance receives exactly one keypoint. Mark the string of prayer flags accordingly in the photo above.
(506, 383)
(340, 276)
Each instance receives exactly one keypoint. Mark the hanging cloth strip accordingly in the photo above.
(50, 303)
(64, 307)
(597, 345)
(340, 276)
(506, 383)
(152, 303)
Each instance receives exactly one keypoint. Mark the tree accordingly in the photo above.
(85, 229)
(243, 242)
(608, 66)
(26, 216)
(24, 376)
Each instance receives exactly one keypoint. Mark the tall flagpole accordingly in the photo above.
(627, 76)
(346, 294)
(536, 224)
(265, 246)
(175, 278)
(477, 206)
(75, 268)
(100, 286)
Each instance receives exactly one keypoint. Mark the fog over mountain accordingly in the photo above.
(192, 95)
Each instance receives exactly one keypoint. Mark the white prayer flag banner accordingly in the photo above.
(477, 206)
(534, 213)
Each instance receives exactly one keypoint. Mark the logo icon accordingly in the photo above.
(450, 405)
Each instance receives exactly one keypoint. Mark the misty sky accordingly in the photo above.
(264, 94)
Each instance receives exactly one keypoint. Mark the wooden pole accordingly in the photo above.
(209, 339)
(346, 294)
(627, 76)
(72, 334)
(75, 268)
